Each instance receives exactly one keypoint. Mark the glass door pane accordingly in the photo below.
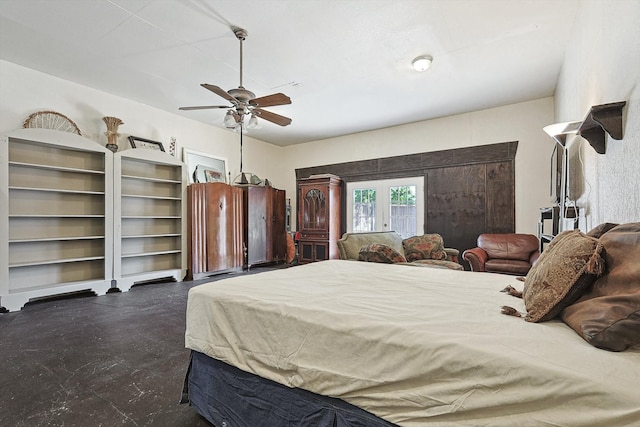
(364, 210)
(402, 210)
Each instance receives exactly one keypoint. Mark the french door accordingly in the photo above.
(386, 205)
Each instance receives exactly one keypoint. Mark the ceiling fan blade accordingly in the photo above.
(204, 107)
(220, 92)
(273, 117)
(271, 100)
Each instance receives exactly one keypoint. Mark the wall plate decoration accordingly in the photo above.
(51, 120)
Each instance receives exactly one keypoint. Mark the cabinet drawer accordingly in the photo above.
(315, 236)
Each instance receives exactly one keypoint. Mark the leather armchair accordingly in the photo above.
(504, 253)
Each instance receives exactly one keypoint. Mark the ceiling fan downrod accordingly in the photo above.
(241, 34)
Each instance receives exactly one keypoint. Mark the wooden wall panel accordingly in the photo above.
(456, 204)
(468, 191)
(500, 193)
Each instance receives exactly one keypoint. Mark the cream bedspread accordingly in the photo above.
(415, 346)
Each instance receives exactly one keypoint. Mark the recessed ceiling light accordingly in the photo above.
(422, 63)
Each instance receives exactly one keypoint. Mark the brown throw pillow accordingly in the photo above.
(564, 270)
(608, 316)
(377, 252)
(599, 230)
(427, 246)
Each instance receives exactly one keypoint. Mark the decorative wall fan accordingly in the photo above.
(244, 102)
(51, 120)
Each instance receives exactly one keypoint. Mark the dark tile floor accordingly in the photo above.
(112, 360)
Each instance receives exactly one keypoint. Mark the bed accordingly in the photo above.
(346, 343)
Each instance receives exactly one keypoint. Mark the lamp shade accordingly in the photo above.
(253, 122)
(229, 120)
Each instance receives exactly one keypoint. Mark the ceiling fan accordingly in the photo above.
(244, 102)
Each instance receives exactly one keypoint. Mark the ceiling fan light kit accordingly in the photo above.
(422, 63)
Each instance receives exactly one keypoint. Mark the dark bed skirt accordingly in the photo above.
(227, 396)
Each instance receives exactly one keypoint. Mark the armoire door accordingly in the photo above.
(224, 248)
(279, 225)
(258, 211)
(216, 242)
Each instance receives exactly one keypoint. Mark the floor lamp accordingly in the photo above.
(559, 132)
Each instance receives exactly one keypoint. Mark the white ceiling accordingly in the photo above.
(344, 63)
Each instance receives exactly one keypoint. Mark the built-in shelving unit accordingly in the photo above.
(55, 212)
(74, 216)
(150, 217)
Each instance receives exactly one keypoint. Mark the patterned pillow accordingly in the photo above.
(427, 246)
(377, 252)
(569, 265)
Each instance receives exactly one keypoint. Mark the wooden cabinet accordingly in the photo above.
(265, 228)
(149, 213)
(216, 229)
(319, 212)
(57, 236)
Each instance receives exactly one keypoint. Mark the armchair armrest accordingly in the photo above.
(476, 257)
(452, 254)
(534, 257)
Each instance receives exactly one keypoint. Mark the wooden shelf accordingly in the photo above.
(150, 179)
(55, 190)
(149, 236)
(141, 196)
(600, 119)
(142, 254)
(54, 261)
(55, 239)
(55, 168)
(151, 217)
(54, 216)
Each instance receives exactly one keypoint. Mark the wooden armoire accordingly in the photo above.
(319, 211)
(233, 227)
(215, 229)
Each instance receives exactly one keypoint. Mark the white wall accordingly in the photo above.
(521, 122)
(24, 91)
(602, 65)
